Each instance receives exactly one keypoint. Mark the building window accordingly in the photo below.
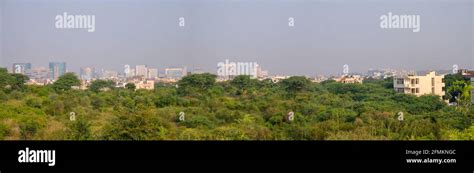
(432, 90)
(400, 90)
(417, 81)
(432, 81)
(417, 90)
(413, 90)
(399, 81)
(412, 81)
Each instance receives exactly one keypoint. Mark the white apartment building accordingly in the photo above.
(152, 73)
(141, 70)
(420, 85)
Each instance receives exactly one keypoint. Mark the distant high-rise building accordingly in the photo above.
(260, 73)
(141, 70)
(132, 73)
(109, 74)
(87, 73)
(128, 71)
(38, 74)
(175, 73)
(126, 68)
(98, 72)
(56, 69)
(21, 68)
(152, 73)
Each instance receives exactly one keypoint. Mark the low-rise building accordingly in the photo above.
(349, 79)
(278, 78)
(145, 84)
(420, 85)
(319, 78)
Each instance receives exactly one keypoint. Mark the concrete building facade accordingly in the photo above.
(420, 85)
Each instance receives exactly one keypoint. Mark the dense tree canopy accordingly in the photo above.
(296, 84)
(12, 81)
(66, 82)
(130, 86)
(100, 85)
(460, 90)
(449, 79)
(196, 83)
(238, 109)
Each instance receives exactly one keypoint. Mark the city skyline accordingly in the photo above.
(325, 36)
(57, 69)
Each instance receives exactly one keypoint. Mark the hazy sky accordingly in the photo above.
(327, 34)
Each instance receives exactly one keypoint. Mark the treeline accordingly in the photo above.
(239, 109)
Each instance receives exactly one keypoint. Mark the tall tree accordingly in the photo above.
(99, 85)
(243, 83)
(449, 79)
(66, 81)
(296, 84)
(5, 78)
(196, 83)
(19, 81)
(460, 90)
(130, 86)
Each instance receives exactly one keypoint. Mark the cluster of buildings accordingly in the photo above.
(142, 76)
(145, 77)
(386, 73)
(40, 75)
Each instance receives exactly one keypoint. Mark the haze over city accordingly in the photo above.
(326, 34)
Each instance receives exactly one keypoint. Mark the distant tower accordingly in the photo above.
(56, 69)
(127, 71)
(152, 73)
(141, 70)
(87, 73)
(21, 68)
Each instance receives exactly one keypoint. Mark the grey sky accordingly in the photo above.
(327, 34)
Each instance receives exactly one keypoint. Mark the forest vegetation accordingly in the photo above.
(238, 109)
